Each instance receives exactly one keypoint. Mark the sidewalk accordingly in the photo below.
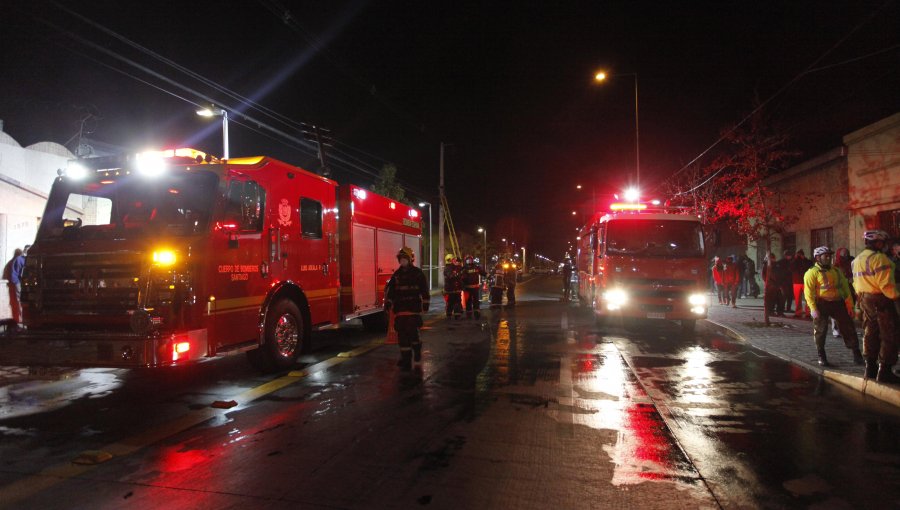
(792, 340)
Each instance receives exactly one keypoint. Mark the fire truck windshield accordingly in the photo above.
(654, 238)
(129, 207)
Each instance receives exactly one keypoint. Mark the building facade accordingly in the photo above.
(838, 195)
(26, 175)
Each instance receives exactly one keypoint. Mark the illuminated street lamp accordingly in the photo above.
(430, 243)
(602, 76)
(218, 112)
(483, 231)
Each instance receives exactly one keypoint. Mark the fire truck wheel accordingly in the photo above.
(284, 336)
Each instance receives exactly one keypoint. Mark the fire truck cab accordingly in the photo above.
(639, 263)
(168, 257)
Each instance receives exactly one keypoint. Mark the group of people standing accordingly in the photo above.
(828, 289)
(407, 297)
(462, 287)
(830, 295)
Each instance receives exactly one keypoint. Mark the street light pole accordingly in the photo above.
(430, 246)
(218, 112)
(484, 232)
(601, 76)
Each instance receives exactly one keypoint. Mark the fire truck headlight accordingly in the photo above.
(164, 258)
(150, 164)
(698, 303)
(75, 170)
(697, 300)
(615, 299)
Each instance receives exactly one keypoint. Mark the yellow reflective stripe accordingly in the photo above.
(320, 293)
(221, 305)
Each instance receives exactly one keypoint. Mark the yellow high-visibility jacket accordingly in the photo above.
(828, 284)
(873, 272)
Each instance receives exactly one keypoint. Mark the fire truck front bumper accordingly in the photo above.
(92, 349)
(693, 305)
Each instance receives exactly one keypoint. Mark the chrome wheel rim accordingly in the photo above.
(287, 335)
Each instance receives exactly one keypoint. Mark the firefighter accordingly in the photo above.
(471, 279)
(827, 294)
(406, 295)
(453, 287)
(873, 280)
(498, 283)
(511, 272)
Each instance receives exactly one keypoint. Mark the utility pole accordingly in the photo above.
(441, 221)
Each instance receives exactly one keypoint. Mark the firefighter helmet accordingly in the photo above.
(448, 258)
(406, 252)
(468, 258)
(821, 250)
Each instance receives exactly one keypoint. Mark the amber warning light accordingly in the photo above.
(627, 207)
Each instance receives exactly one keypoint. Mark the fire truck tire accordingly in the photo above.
(285, 337)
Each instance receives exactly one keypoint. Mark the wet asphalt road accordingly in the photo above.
(530, 407)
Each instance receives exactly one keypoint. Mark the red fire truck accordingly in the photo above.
(640, 263)
(168, 257)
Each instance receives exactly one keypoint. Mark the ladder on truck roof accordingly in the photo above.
(454, 242)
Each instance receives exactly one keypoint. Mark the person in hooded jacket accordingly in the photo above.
(718, 269)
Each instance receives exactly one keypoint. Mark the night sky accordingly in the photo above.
(508, 84)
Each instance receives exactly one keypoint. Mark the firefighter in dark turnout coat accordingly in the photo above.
(471, 277)
(406, 295)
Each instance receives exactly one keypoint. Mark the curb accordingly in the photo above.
(884, 392)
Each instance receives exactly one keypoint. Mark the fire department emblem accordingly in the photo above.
(284, 213)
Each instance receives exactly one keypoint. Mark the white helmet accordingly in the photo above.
(821, 250)
(875, 235)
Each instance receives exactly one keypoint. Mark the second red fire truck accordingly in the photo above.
(168, 257)
(639, 263)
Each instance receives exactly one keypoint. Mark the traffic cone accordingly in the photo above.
(391, 332)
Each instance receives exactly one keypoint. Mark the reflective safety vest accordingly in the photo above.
(827, 284)
(873, 272)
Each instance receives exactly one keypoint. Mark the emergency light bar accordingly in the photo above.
(623, 206)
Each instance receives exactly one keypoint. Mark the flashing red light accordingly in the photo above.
(226, 225)
(413, 213)
(627, 207)
(393, 205)
(179, 350)
(173, 191)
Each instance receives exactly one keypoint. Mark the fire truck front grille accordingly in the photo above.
(89, 284)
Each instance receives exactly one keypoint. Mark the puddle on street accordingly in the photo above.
(39, 396)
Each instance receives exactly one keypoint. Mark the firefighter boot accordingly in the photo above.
(886, 375)
(858, 357)
(871, 368)
(405, 362)
(417, 352)
(823, 360)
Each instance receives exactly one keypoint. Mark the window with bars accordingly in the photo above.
(889, 221)
(821, 237)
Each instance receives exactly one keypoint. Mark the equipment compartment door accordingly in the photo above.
(365, 293)
(387, 245)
